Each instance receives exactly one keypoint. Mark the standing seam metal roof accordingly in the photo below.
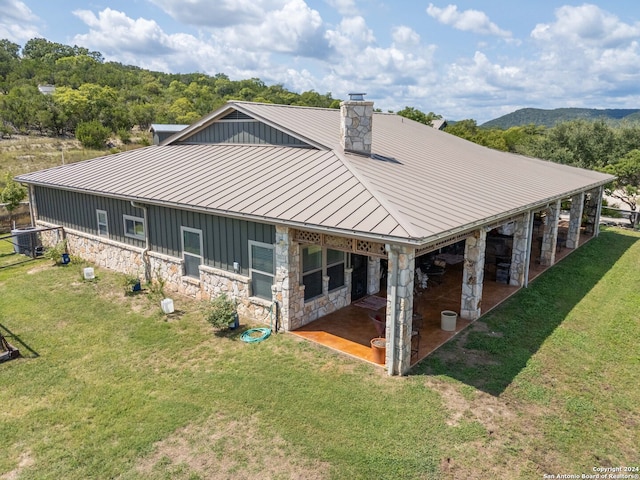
(432, 182)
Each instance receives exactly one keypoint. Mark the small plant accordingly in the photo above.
(131, 284)
(55, 252)
(221, 312)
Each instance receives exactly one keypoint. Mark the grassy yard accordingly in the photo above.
(109, 387)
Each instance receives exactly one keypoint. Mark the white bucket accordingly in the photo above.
(448, 320)
(89, 273)
(167, 305)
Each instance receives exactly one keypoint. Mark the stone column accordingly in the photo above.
(575, 220)
(373, 275)
(400, 309)
(520, 251)
(592, 210)
(285, 286)
(348, 274)
(473, 275)
(599, 192)
(550, 235)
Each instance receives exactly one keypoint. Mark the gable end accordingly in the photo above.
(240, 128)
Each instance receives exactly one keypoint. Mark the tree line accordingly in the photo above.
(117, 96)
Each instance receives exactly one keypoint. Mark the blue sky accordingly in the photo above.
(462, 59)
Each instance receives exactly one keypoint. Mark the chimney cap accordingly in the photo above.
(358, 97)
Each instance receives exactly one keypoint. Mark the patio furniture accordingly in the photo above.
(561, 241)
(435, 273)
(415, 343)
(416, 325)
(380, 323)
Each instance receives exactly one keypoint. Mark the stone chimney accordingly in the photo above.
(356, 119)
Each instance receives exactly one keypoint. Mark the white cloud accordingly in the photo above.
(404, 35)
(344, 7)
(295, 28)
(221, 13)
(114, 30)
(467, 20)
(351, 35)
(589, 51)
(17, 22)
(587, 26)
(143, 42)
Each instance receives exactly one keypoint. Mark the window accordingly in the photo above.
(261, 269)
(133, 227)
(191, 251)
(103, 223)
(312, 271)
(318, 262)
(335, 268)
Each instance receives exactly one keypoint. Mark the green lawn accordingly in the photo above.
(109, 387)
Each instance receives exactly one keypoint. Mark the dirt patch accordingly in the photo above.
(24, 461)
(38, 269)
(222, 448)
(476, 405)
(505, 427)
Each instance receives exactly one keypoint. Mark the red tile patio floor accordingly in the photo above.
(350, 330)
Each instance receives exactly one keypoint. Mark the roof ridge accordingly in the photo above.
(282, 105)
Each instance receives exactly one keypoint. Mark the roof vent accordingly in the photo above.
(357, 97)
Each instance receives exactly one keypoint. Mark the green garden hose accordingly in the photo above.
(254, 335)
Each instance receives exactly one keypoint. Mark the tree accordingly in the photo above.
(418, 116)
(73, 106)
(8, 60)
(92, 134)
(627, 184)
(12, 194)
(20, 106)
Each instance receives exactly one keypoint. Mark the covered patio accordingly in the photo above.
(350, 329)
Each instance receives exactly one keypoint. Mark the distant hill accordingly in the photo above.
(548, 118)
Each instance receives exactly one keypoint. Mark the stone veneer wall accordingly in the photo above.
(399, 358)
(289, 293)
(130, 260)
(373, 275)
(473, 275)
(575, 220)
(356, 118)
(520, 253)
(592, 211)
(550, 235)
(285, 287)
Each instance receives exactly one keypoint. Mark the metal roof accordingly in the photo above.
(421, 183)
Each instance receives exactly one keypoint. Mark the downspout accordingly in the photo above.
(525, 282)
(145, 252)
(32, 212)
(393, 284)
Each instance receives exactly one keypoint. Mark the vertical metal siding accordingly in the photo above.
(78, 211)
(249, 132)
(225, 240)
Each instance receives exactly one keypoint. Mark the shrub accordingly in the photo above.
(221, 312)
(92, 134)
(125, 135)
(55, 252)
